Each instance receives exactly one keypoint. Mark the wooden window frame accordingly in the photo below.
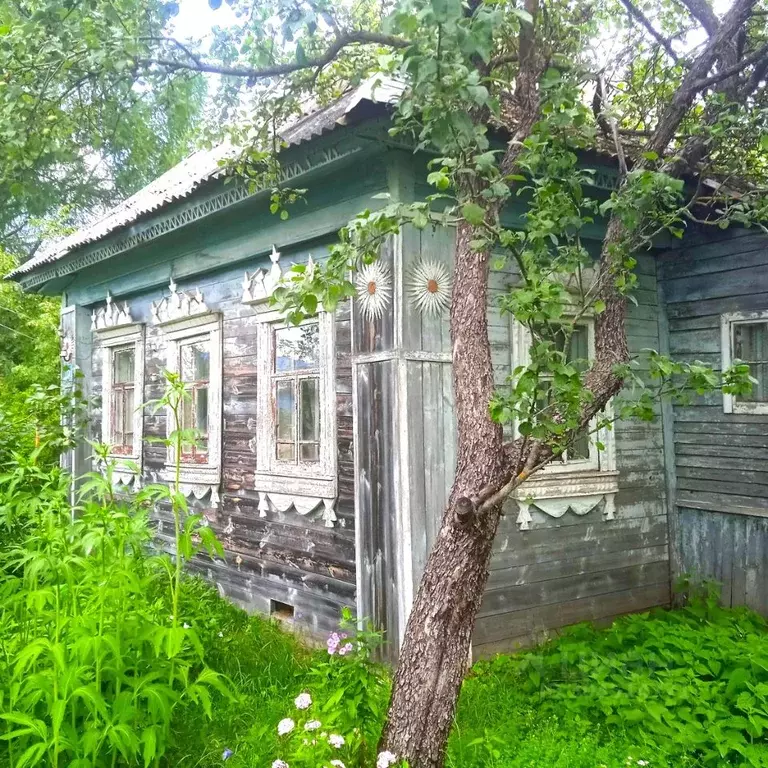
(728, 322)
(599, 463)
(300, 478)
(176, 333)
(193, 456)
(111, 341)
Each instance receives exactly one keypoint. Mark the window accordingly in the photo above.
(296, 393)
(582, 455)
(123, 397)
(745, 337)
(195, 369)
(192, 337)
(297, 439)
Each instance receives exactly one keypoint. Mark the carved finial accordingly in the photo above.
(110, 315)
(275, 255)
(178, 305)
(258, 287)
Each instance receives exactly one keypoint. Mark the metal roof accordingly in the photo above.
(183, 179)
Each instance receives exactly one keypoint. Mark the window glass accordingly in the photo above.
(296, 393)
(750, 344)
(195, 369)
(123, 400)
(296, 347)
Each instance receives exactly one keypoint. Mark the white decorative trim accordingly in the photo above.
(179, 305)
(111, 338)
(303, 505)
(374, 290)
(429, 287)
(556, 494)
(258, 287)
(266, 463)
(111, 315)
(727, 321)
(198, 479)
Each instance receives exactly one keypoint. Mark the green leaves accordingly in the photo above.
(473, 213)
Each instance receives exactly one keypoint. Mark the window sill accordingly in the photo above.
(559, 492)
(301, 493)
(195, 480)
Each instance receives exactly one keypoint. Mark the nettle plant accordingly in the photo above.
(96, 658)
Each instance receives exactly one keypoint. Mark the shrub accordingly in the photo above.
(692, 681)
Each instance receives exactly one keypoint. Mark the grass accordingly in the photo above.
(503, 720)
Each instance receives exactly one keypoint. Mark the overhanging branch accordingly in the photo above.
(637, 14)
(350, 38)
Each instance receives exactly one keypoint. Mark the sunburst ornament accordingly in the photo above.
(374, 290)
(429, 287)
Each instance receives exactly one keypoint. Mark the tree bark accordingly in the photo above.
(436, 647)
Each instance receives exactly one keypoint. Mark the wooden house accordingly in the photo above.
(329, 446)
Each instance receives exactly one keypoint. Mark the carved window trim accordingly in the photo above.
(303, 487)
(578, 486)
(183, 318)
(111, 340)
(728, 323)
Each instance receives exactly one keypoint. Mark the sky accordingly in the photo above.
(196, 18)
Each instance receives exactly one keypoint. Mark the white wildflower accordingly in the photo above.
(312, 725)
(221, 634)
(286, 725)
(186, 626)
(642, 762)
(338, 764)
(385, 759)
(303, 701)
(279, 764)
(336, 741)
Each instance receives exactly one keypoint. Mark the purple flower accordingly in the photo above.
(226, 754)
(333, 642)
(345, 649)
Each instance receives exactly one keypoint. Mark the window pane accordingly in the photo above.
(286, 452)
(200, 397)
(296, 348)
(579, 450)
(128, 417)
(310, 409)
(285, 406)
(579, 349)
(123, 366)
(118, 416)
(750, 342)
(310, 451)
(195, 362)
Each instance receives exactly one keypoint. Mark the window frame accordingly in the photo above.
(728, 322)
(177, 333)
(112, 340)
(309, 478)
(599, 462)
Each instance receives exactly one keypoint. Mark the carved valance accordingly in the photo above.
(111, 315)
(179, 305)
(258, 287)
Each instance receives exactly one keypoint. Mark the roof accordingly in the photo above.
(183, 179)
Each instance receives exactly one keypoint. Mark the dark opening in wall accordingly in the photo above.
(281, 611)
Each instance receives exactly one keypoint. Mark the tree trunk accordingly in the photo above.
(435, 651)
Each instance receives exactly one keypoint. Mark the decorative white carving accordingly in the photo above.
(177, 306)
(374, 290)
(555, 494)
(111, 315)
(199, 490)
(258, 287)
(429, 287)
(67, 351)
(282, 502)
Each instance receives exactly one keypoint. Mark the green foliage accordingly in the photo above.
(96, 656)
(692, 682)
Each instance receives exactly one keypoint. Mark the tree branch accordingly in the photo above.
(756, 57)
(637, 14)
(703, 13)
(350, 38)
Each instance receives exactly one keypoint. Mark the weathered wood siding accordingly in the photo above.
(564, 570)
(721, 475)
(287, 557)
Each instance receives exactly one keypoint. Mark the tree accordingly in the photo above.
(500, 94)
(80, 126)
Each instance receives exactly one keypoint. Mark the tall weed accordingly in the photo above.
(95, 656)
